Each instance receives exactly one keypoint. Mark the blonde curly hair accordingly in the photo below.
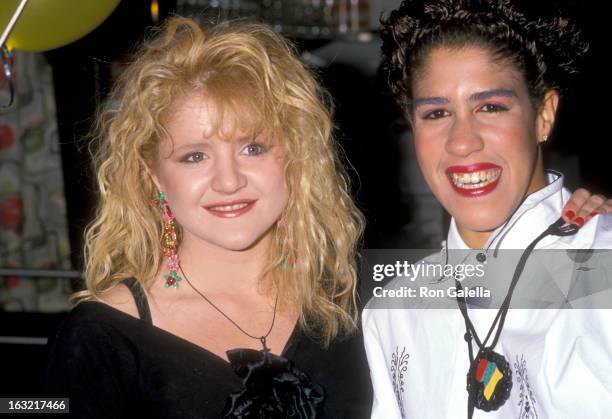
(243, 65)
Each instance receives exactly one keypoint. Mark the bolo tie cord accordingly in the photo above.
(558, 228)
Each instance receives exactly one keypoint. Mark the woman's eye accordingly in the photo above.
(196, 157)
(254, 149)
(493, 108)
(436, 114)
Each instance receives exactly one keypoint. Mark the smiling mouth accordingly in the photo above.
(230, 209)
(475, 180)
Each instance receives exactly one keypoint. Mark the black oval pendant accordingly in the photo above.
(489, 380)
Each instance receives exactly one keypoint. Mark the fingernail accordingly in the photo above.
(569, 214)
(593, 214)
(579, 221)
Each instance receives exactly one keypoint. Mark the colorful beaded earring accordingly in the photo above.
(169, 241)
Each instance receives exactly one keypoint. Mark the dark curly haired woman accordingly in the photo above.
(480, 82)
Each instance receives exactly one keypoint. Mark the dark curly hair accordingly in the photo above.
(546, 49)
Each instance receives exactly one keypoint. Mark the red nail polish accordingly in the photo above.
(579, 221)
(594, 213)
(570, 214)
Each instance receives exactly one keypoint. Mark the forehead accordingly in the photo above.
(199, 116)
(466, 68)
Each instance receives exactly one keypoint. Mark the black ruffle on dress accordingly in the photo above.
(113, 365)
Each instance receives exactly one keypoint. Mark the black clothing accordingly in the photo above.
(113, 365)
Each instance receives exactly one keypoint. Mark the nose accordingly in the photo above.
(463, 138)
(228, 176)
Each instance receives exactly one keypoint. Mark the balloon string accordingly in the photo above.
(6, 54)
(12, 22)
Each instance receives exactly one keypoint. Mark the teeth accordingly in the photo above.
(229, 207)
(475, 180)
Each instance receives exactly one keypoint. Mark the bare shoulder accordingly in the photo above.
(120, 297)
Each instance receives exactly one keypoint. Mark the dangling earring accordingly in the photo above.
(545, 138)
(169, 241)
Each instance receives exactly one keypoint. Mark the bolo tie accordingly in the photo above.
(489, 379)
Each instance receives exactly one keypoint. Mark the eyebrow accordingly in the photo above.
(493, 93)
(430, 101)
(191, 146)
(240, 140)
(475, 97)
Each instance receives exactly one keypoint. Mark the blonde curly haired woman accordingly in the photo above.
(230, 136)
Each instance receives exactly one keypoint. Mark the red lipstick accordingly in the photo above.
(224, 210)
(456, 174)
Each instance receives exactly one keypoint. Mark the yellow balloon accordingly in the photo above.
(49, 24)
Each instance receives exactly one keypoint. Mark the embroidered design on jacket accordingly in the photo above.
(399, 366)
(526, 400)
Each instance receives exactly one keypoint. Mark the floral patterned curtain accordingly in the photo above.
(33, 225)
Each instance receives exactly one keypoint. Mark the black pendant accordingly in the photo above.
(489, 380)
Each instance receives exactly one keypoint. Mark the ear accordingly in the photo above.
(547, 112)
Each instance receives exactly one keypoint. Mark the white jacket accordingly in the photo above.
(561, 359)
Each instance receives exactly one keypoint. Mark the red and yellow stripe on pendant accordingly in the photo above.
(489, 375)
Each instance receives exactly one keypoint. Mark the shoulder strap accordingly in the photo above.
(140, 298)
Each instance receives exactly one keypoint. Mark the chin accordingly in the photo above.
(236, 245)
(239, 242)
(484, 221)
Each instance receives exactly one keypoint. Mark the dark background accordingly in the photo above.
(367, 123)
(366, 117)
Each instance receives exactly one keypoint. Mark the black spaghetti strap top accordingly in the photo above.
(110, 366)
(140, 298)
